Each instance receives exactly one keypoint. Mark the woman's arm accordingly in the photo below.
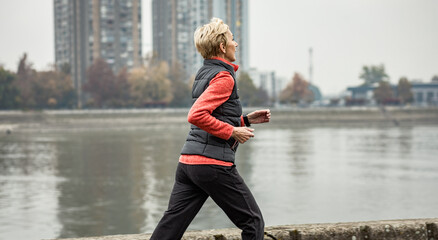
(218, 92)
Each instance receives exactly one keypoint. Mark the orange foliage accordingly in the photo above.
(296, 91)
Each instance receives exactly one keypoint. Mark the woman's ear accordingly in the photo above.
(223, 49)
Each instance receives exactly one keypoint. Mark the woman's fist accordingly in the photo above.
(242, 134)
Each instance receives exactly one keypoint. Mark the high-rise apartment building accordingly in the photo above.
(235, 14)
(89, 29)
(175, 21)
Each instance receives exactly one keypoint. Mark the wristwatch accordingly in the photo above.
(245, 119)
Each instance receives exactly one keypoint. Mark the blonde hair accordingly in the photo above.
(209, 37)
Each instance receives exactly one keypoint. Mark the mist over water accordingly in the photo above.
(88, 182)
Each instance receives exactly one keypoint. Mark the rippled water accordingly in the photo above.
(69, 183)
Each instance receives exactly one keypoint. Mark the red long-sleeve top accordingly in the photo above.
(217, 92)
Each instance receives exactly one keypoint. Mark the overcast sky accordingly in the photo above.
(344, 34)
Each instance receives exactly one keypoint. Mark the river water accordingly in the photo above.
(86, 182)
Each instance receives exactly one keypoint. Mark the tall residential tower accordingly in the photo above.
(89, 29)
(175, 21)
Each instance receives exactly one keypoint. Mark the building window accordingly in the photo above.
(420, 97)
(429, 96)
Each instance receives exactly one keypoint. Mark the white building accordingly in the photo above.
(423, 93)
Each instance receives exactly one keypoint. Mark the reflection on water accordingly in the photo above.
(95, 182)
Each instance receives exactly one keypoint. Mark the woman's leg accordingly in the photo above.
(185, 202)
(231, 194)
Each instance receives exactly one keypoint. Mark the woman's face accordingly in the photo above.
(230, 49)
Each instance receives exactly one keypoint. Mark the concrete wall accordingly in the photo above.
(412, 229)
(290, 116)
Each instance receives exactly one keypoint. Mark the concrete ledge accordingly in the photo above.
(296, 116)
(411, 229)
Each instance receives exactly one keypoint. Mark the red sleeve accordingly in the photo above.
(217, 92)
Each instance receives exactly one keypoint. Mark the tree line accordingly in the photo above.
(29, 89)
(154, 84)
(384, 92)
(298, 90)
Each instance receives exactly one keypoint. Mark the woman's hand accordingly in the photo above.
(259, 116)
(242, 134)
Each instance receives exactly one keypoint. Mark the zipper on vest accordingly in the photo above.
(234, 145)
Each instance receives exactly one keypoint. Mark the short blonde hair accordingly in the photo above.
(209, 37)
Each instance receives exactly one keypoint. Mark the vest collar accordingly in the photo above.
(235, 67)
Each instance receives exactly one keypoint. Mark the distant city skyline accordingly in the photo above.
(344, 35)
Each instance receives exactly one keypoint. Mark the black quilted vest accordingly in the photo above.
(199, 142)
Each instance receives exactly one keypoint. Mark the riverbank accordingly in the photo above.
(134, 118)
(410, 229)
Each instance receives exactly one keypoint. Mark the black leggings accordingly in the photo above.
(193, 185)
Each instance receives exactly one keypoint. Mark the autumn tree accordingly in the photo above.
(101, 84)
(137, 79)
(158, 84)
(55, 90)
(249, 94)
(181, 93)
(383, 92)
(247, 89)
(25, 83)
(65, 68)
(122, 93)
(8, 91)
(180, 89)
(150, 85)
(297, 91)
(373, 74)
(404, 89)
